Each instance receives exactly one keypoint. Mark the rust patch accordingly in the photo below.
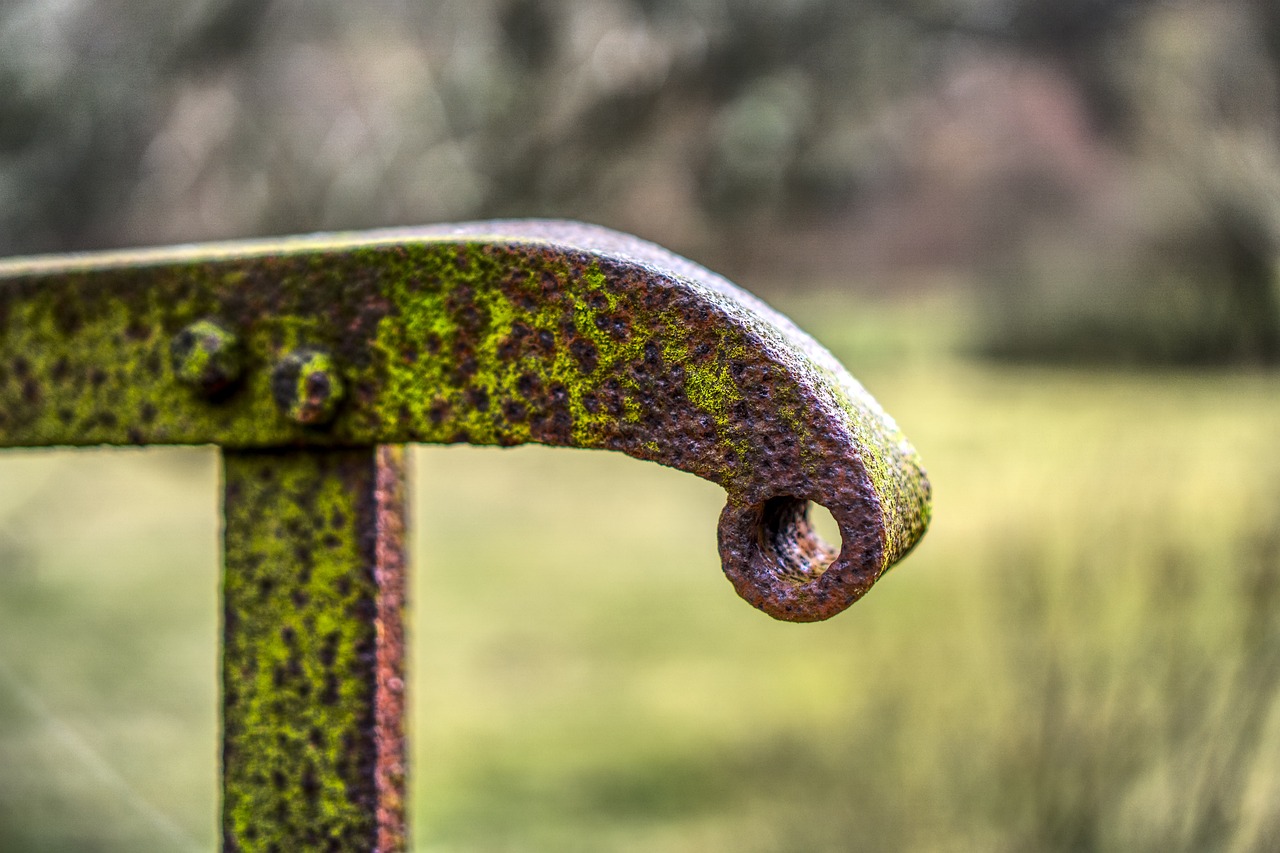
(389, 697)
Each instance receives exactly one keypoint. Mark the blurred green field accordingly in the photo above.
(1083, 654)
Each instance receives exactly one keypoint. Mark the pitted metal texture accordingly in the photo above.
(487, 333)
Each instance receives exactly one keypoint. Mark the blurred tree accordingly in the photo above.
(769, 138)
(1190, 94)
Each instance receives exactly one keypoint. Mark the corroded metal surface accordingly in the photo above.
(488, 333)
(313, 648)
(390, 573)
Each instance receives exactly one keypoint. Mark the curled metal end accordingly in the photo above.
(848, 456)
(777, 561)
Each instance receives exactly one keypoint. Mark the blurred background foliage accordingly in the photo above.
(984, 207)
(1101, 176)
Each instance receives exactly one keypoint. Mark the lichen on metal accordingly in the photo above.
(206, 357)
(307, 386)
(312, 659)
(488, 333)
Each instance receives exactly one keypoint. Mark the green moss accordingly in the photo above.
(308, 386)
(418, 346)
(893, 466)
(298, 675)
(205, 356)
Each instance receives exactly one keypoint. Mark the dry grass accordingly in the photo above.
(1083, 655)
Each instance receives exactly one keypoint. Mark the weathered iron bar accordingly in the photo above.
(313, 750)
(304, 358)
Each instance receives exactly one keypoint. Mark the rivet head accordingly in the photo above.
(307, 386)
(206, 356)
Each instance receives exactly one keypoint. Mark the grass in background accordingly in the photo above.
(1084, 654)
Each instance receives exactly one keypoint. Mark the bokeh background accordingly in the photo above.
(1044, 233)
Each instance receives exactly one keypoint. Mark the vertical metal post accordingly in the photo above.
(313, 747)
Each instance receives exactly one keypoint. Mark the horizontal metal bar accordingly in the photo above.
(487, 333)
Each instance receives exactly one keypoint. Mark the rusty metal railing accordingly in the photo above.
(310, 361)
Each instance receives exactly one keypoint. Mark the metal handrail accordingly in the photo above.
(310, 360)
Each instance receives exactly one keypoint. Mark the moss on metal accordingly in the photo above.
(489, 333)
(298, 666)
(308, 386)
(206, 357)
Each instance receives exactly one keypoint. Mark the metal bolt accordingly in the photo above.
(307, 386)
(206, 356)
